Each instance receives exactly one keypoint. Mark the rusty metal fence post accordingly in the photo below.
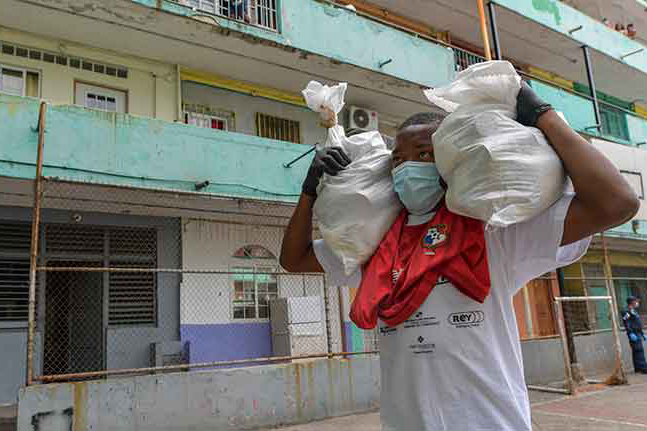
(33, 261)
(618, 376)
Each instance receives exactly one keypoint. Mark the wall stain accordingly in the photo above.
(311, 389)
(297, 389)
(80, 419)
(550, 7)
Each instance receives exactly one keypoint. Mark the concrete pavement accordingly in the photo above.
(620, 408)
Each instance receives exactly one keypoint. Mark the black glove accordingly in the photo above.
(529, 106)
(329, 160)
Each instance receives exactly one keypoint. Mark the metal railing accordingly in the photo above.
(261, 13)
(464, 59)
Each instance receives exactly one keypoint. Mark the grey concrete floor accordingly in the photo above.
(621, 408)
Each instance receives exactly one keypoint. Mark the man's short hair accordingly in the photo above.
(432, 118)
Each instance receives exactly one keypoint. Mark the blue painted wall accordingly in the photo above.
(562, 18)
(340, 34)
(227, 342)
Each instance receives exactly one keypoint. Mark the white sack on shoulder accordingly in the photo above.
(357, 207)
(496, 169)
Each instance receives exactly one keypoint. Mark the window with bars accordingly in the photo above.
(281, 129)
(206, 121)
(262, 13)
(614, 122)
(254, 287)
(14, 271)
(255, 284)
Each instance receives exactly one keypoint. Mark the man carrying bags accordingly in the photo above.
(440, 286)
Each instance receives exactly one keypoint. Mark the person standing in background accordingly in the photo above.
(634, 328)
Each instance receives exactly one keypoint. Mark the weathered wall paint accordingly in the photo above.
(340, 34)
(150, 86)
(562, 18)
(209, 400)
(95, 146)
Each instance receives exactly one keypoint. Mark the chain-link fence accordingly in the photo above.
(137, 281)
(132, 280)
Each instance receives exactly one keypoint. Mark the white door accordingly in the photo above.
(98, 97)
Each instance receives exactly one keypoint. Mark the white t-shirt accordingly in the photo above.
(456, 365)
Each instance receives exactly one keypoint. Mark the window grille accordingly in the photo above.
(277, 128)
(15, 240)
(262, 13)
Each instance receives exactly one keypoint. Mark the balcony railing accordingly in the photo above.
(260, 13)
(465, 59)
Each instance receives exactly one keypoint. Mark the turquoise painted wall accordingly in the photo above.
(562, 18)
(342, 35)
(578, 111)
(637, 130)
(94, 146)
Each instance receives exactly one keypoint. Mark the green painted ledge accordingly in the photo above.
(92, 146)
(337, 33)
(562, 18)
(578, 111)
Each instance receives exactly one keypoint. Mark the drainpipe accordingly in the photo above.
(484, 34)
(154, 95)
(178, 94)
(594, 94)
(495, 31)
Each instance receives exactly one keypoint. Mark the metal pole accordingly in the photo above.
(342, 324)
(567, 326)
(495, 30)
(289, 164)
(567, 358)
(528, 311)
(618, 376)
(594, 95)
(484, 35)
(33, 261)
(178, 94)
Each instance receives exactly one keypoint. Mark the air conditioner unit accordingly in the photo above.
(360, 118)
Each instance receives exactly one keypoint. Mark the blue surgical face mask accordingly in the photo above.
(418, 186)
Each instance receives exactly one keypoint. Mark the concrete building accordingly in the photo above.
(169, 127)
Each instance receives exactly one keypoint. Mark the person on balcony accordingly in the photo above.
(238, 10)
(621, 29)
(440, 286)
(634, 328)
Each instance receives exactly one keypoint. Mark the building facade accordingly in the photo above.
(169, 137)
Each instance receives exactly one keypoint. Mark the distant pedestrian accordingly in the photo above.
(608, 23)
(634, 328)
(631, 31)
